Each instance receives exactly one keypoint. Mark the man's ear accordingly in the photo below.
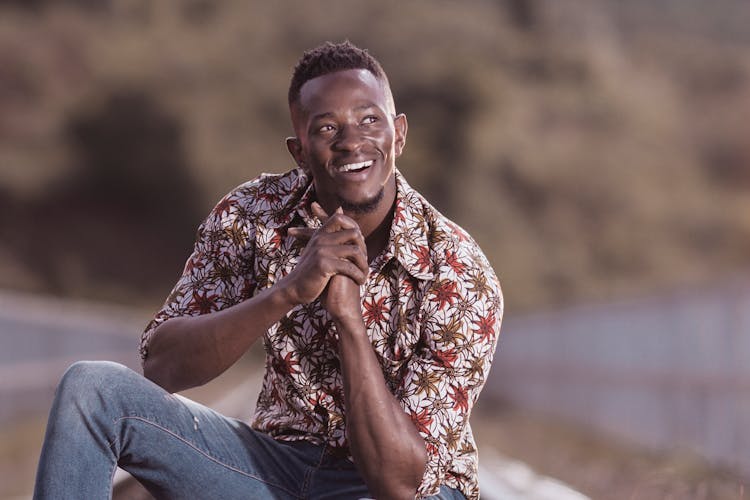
(401, 126)
(295, 149)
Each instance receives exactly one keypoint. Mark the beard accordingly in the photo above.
(362, 207)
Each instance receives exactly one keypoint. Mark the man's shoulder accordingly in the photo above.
(447, 239)
(433, 246)
(270, 186)
(266, 193)
(463, 285)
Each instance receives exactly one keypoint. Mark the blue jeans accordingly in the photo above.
(105, 415)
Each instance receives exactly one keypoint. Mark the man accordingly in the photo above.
(379, 319)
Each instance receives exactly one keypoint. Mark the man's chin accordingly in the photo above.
(362, 207)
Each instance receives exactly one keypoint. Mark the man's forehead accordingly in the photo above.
(329, 87)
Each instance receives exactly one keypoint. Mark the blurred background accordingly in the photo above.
(597, 150)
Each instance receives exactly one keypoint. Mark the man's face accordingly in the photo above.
(348, 139)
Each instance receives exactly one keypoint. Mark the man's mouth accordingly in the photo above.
(355, 167)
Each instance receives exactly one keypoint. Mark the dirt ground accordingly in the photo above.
(599, 466)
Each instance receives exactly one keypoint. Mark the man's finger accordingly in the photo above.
(334, 237)
(334, 222)
(303, 233)
(337, 222)
(348, 268)
(353, 254)
(318, 211)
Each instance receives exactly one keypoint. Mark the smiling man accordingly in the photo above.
(378, 315)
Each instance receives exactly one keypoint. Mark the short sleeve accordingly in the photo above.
(218, 273)
(462, 313)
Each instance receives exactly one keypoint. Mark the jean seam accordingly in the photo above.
(313, 470)
(108, 486)
(205, 454)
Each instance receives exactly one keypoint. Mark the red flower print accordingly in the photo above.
(446, 358)
(422, 420)
(452, 259)
(423, 258)
(275, 242)
(460, 397)
(445, 293)
(431, 448)
(286, 366)
(398, 214)
(203, 304)
(485, 326)
(375, 310)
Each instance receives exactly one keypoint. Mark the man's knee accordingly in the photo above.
(84, 379)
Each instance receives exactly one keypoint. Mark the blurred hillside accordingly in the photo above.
(594, 149)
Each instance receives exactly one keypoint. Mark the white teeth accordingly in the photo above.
(354, 166)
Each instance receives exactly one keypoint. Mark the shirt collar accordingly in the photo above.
(408, 242)
(298, 194)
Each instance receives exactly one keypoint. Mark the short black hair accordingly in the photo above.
(329, 58)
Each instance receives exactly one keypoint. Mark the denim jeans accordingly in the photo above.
(105, 415)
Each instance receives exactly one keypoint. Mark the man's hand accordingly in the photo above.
(335, 257)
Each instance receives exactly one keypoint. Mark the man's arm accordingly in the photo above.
(188, 351)
(404, 445)
(386, 446)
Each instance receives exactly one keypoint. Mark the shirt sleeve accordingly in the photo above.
(462, 313)
(218, 273)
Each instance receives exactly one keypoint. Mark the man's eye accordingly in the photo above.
(370, 119)
(326, 128)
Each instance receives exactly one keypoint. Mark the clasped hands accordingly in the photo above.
(332, 266)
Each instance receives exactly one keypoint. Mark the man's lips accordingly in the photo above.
(354, 167)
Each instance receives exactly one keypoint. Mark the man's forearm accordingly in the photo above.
(189, 351)
(385, 444)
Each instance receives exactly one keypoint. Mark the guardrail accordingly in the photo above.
(667, 372)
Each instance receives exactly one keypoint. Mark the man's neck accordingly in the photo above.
(377, 235)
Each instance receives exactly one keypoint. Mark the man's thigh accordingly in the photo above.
(178, 448)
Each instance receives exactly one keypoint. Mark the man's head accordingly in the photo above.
(348, 135)
(329, 58)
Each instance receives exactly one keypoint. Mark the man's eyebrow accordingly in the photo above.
(320, 116)
(329, 114)
(366, 106)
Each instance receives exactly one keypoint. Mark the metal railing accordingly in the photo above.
(667, 372)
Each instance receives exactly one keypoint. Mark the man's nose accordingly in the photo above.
(349, 139)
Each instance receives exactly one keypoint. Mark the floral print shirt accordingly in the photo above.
(432, 306)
